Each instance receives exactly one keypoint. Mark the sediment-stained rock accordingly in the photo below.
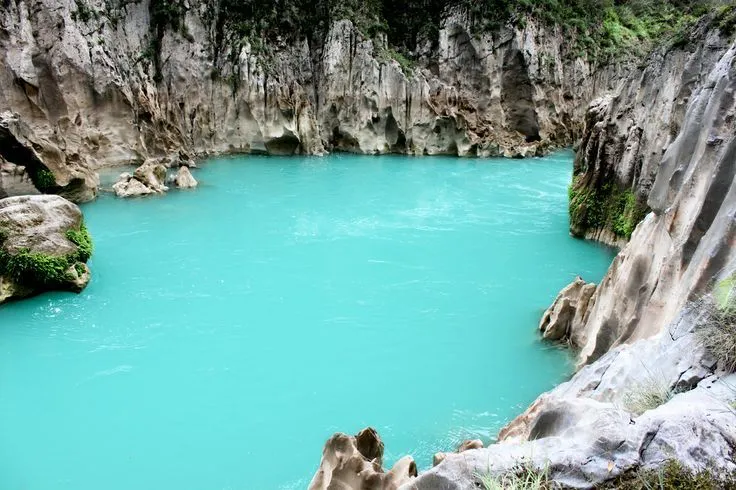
(149, 178)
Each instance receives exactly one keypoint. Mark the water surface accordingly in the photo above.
(230, 330)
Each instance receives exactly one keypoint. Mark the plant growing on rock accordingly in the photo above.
(672, 475)
(523, 477)
(647, 395)
(717, 329)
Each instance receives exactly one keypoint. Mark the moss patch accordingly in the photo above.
(610, 207)
(44, 270)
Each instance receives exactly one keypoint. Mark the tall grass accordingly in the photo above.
(524, 477)
(717, 329)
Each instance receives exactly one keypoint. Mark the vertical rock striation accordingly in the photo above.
(82, 78)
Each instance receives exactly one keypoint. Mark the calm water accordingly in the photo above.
(230, 330)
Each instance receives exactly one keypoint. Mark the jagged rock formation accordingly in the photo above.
(587, 431)
(149, 178)
(637, 330)
(627, 132)
(356, 462)
(688, 239)
(566, 318)
(43, 246)
(85, 87)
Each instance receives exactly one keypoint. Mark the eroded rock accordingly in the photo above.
(565, 319)
(43, 246)
(147, 179)
(184, 178)
(354, 462)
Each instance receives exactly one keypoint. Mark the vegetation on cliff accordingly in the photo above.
(609, 206)
(599, 28)
(718, 327)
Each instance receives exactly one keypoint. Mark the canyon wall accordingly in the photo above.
(80, 89)
(668, 132)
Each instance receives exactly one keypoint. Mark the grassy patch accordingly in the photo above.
(672, 475)
(647, 396)
(717, 330)
(523, 477)
(610, 206)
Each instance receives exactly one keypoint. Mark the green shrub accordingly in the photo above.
(725, 19)
(717, 329)
(82, 239)
(43, 179)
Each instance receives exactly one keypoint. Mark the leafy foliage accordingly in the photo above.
(43, 179)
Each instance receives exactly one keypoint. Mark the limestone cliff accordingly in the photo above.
(80, 78)
(669, 133)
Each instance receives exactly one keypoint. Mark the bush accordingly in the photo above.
(717, 329)
(647, 396)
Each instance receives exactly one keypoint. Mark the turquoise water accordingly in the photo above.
(230, 330)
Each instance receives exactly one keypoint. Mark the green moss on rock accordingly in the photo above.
(611, 207)
(40, 269)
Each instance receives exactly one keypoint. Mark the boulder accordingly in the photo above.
(354, 462)
(184, 178)
(43, 246)
(565, 318)
(147, 179)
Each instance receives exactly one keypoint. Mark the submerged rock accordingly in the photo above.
(354, 462)
(184, 178)
(43, 246)
(147, 179)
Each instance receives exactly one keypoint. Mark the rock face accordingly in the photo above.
(43, 246)
(87, 90)
(687, 240)
(628, 130)
(355, 462)
(565, 319)
(585, 432)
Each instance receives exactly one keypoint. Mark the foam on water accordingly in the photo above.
(230, 330)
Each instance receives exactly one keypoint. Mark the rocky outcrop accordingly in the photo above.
(688, 238)
(628, 130)
(91, 94)
(43, 246)
(565, 319)
(356, 462)
(585, 431)
(184, 178)
(147, 179)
